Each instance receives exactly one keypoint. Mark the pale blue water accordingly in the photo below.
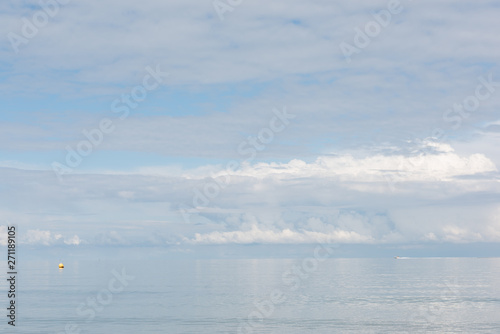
(447, 295)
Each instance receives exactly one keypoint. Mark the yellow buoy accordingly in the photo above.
(61, 265)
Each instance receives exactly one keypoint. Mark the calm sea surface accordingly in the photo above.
(442, 295)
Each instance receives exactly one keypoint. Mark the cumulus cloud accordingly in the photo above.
(256, 235)
(435, 195)
(444, 165)
(74, 240)
(433, 161)
(47, 238)
(395, 226)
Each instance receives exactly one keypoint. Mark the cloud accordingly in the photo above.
(457, 234)
(444, 164)
(432, 195)
(3, 235)
(262, 54)
(256, 235)
(412, 225)
(292, 38)
(74, 240)
(47, 238)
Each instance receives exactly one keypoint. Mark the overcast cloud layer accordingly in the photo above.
(282, 122)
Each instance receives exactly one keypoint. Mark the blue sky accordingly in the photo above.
(283, 123)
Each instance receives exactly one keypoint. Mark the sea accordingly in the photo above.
(310, 295)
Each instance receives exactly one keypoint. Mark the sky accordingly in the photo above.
(186, 125)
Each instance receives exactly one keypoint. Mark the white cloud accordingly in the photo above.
(408, 225)
(3, 235)
(126, 194)
(442, 165)
(257, 41)
(39, 237)
(74, 240)
(457, 234)
(47, 238)
(256, 235)
(440, 196)
(434, 161)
